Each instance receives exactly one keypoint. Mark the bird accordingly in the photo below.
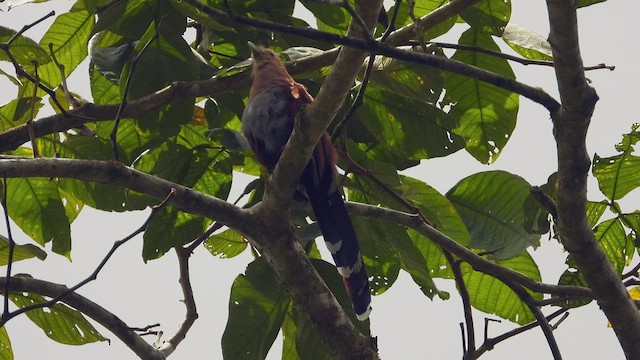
(267, 122)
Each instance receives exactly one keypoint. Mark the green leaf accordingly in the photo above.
(171, 227)
(35, 205)
(24, 50)
(127, 18)
(330, 18)
(413, 81)
(226, 244)
(103, 91)
(6, 352)
(618, 175)
(573, 277)
(20, 252)
(403, 130)
(17, 111)
(527, 43)
(444, 217)
(96, 195)
(381, 259)
(486, 113)
(203, 19)
(492, 206)
(166, 59)
(488, 16)
(420, 9)
(614, 242)
(595, 211)
(257, 307)
(585, 3)
(289, 331)
(490, 295)
(68, 35)
(413, 261)
(60, 322)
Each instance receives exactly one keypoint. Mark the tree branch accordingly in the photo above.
(477, 262)
(169, 346)
(105, 318)
(571, 122)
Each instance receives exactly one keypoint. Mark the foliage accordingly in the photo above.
(411, 113)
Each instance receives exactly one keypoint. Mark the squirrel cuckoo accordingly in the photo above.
(267, 122)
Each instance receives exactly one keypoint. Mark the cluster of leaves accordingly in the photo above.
(411, 113)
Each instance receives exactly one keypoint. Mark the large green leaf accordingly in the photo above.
(60, 322)
(486, 113)
(618, 175)
(415, 82)
(226, 244)
(488, 16)
(24, 50)
(96, 195)
(68, 36)
(171, 227)
(492, 206)
(289, 331)
(381, 258)
(330, 18)
(167, 58)
(420, 9)
(614, 242)
(257, 307)
(527, 43)
(6, 352)
(573, 277)
(20, 252)
(35, 205)
(584, 3)
(403, 130)
(442, 214)
(492, 296)
(595, 211)
(18, 111)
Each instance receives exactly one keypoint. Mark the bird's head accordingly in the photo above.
(265, 60)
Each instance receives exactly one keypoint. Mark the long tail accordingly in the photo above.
(319, 182)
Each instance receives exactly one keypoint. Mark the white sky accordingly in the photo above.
(408, 325)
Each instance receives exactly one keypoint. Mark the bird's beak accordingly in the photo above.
(256, 52)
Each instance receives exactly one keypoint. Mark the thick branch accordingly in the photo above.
(570, 128)
(115, 173)
(477, 262)
(89, 308)
(281, 248)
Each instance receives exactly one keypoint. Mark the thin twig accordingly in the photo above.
(541, 319)
(545, 200)
(123, 103)
(29, 26)
(392, 23)
(191, 315)
(359, 169)
(357, 102)
(490, 343)
(12, 244)
(32, 114)
(466, 303)
(366, 34)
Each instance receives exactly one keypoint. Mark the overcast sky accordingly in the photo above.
(408, 325)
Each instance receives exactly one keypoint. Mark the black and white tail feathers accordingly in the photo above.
(339, 235)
